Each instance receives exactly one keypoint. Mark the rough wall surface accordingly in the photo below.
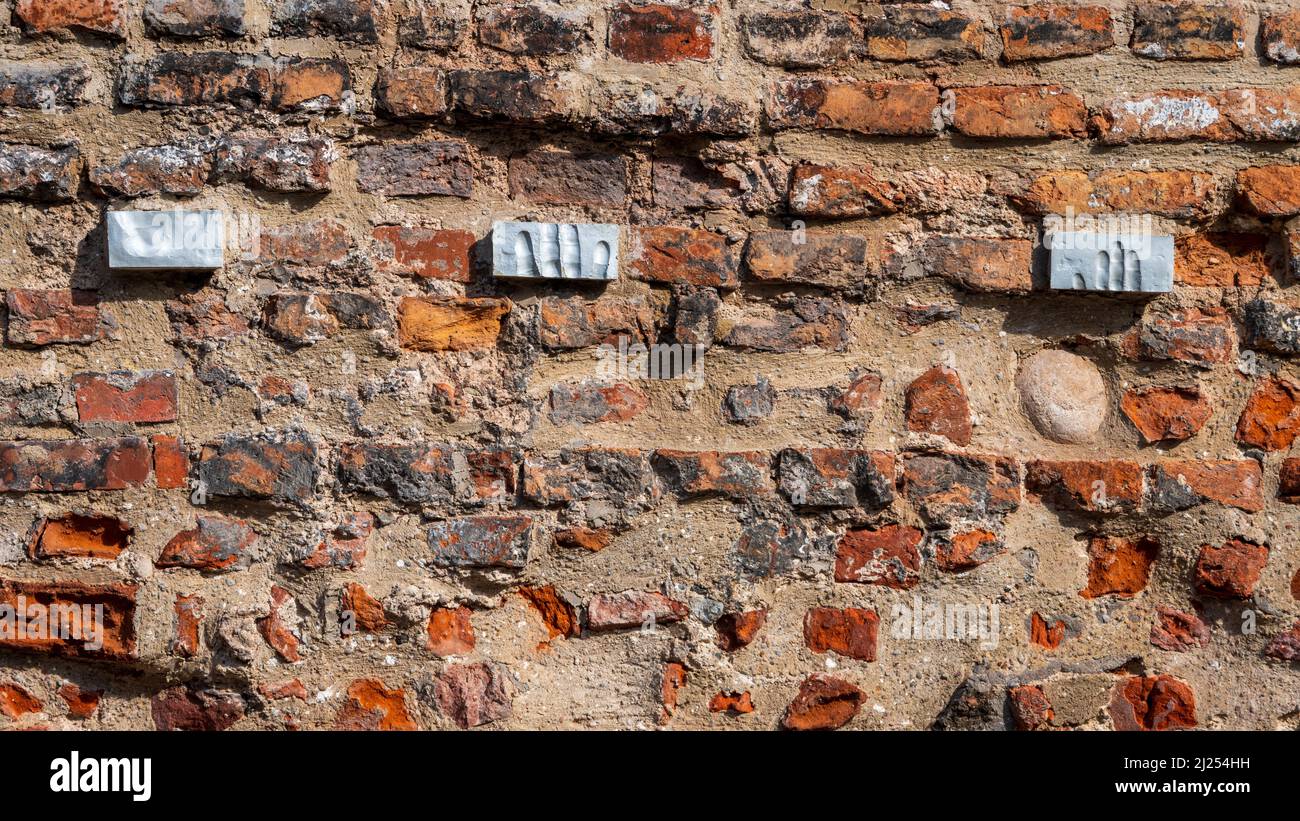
(350, 480)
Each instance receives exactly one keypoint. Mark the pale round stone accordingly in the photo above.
(1063, 395)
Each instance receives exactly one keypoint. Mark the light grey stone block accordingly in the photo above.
(547, 250)
(1085, 261)
(175, 240)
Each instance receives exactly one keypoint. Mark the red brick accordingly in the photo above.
(1046, 634)
(886, 556)
(982, 265)
(921, 33)
(358, 610)
(862, 396)
(814, 258)
(1030, 708)
(431, 253)
(670, 254)
(660, 33)
(412, 92)
(76, 535)
(1288, 482)
(1188, 31)
(1177, 631)
(823, 703)
(126, 396)
(738, 474)
(188, 613)
(936, 403)
(275, 628)
(82, 703)
(216, 544)
(1017, 112)
(67, 465)
(732, 703)
(1119, 566)
(1153, 703)
(1230, 570)
(1114, 486)
(1270, 190)
(1285, 646)
(1175, 194)
(1222, 260)
(313, 243)
(964, 550)
(1201, 337)
(450, 323)
(569, 324)
(171, 461)
(886, 108)
(372, 706)
(533, 29)
(850, 632)
(622, 476)
(54, 317)
(1279, 37)
(474, 694)
(737, 631)
(344, 546)
(100, 16)
(1046, 31)
(193, 708)
(1166, 413)
(437, 167)
(16, 701)
(584, 538)
(1271, 418)
(117, 632)
(449, 632)
(293, 688)
(671, 683)
(833, 191)
(687, 182)
(556, 612)
(632, 608)
(800, 38)
(1176, 484)
(567, 178)
(588, 403)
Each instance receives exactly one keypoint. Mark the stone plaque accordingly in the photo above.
(1084, 261)
(547, 250)
(176, 240)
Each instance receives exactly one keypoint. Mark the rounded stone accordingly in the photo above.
(1063, 395)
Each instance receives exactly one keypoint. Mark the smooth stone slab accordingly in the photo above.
(176, 240)
(548, 250)
(1084, 261)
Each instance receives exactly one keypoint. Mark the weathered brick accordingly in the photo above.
(450, 323)
(313, 84)
(410, 92)
(39, 318)
(439, 167)
(566, 178)
(620, 107)
(661, 33)
(1271, 418)
(738, 474)
(420, 474)
(921, 33)
(76, 535)
(1095, 486)
(1046, 31)
(533, 29)
(935, 402)
(831, 191)
(823, 703)
(983, 265)
(833, 477)
(275, 626)
(749, 404)
(216, 544)
(849, 632)
(671, 254)
(860, 398)
(620, 476)
(686, 182)
(1175, 194)
(474, 694)
(738, 630)
(1279, 37)
(957, 551)
(46, 86)
(195, 18)
(1188, 31)
(1047, 635)
(314, 243)
(807, 323)
(887, 555)
(732, 703)
(1153, 703)
(280, 466)
(69, 465)
(99, 16)
(951, 487)
(1285, 646)
(168, 169)
(1177, 631)
(1288, 482)
(305, 319)
(295, 163)
(1166, 413)
(800, 38)
(344, 546)
(555, 609)
(814, 258)
(1119, 566)
(1222, 260)
(1270, 190)
(194, 708)
(1030, 708)
(373, 706)
(587, 403)
(30, 404)
(351, 21)
(520, 97)
(176, 78)
(450, 632)
(1017, 112)
(432, 26)
(886, 108)
(1241, 114)
(361, 611)
(583, 538)
(204, 316)
(82, 703)
(431, 253)
(482, 541)
(1204, 338)
(126, 396)
(1230, 570)
(632, 608)
(187, 612)
(114, 633)
(1179, 484)
(568, 324)
(32, 173)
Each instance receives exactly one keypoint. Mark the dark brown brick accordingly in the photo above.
(351, 21)
(521, 97)
(176, 78)
(439, 167)
(566, 178)
(67, 465)
(533, 29)
(43, 175)
(661, 33)
(620, 107)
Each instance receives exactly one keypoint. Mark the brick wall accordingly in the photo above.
(349, 479)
